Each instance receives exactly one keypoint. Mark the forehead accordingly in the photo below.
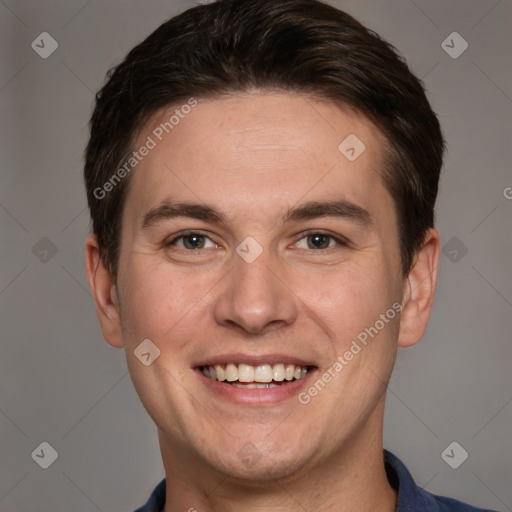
(257, 150)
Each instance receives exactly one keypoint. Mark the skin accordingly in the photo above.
(254, 156)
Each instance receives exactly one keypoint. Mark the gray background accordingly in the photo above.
(63, 384)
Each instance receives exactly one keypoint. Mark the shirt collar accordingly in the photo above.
(411, 498)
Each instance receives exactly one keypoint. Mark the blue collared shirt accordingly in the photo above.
(411, 498)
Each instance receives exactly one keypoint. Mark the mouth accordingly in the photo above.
(258, 384)
(262, 376)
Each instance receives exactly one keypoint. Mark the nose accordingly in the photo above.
(255, 297)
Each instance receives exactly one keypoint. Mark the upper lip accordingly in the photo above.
(253, 359)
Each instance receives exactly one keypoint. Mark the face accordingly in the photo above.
(287, 267)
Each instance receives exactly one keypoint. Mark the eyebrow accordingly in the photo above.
(340, 208)
(306, 211)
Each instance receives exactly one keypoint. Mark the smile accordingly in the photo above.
(262, 376)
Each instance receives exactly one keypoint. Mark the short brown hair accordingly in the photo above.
(232, 46)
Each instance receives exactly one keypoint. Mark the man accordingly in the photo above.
(261, 178)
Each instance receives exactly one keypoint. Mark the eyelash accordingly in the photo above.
(340, 240)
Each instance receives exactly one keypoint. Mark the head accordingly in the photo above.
(304, 141)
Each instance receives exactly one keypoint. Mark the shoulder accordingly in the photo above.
(156, 501)
(411, 497)
(451, 505)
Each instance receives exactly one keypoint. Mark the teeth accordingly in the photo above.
(245, 373)
(220, 373)
(248, 374)
(263, 373)
(254, 385)
(231, 373)
(278, 371)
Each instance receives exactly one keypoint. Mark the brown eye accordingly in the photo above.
(190, 241)
(193, 241)
(316, 241)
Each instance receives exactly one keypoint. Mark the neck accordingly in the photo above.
(352, 477)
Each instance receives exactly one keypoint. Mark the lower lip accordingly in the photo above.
(256, 396)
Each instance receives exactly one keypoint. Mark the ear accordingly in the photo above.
(104, 293)
(420, 287)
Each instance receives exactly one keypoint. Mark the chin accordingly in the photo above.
(256, 467)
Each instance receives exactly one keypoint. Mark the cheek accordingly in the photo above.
(155, 301)
(349, 299)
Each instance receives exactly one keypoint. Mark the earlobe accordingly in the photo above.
(104, 293)
(419, 292)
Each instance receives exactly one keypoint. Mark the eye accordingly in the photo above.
(318, 240)
(191, 240)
